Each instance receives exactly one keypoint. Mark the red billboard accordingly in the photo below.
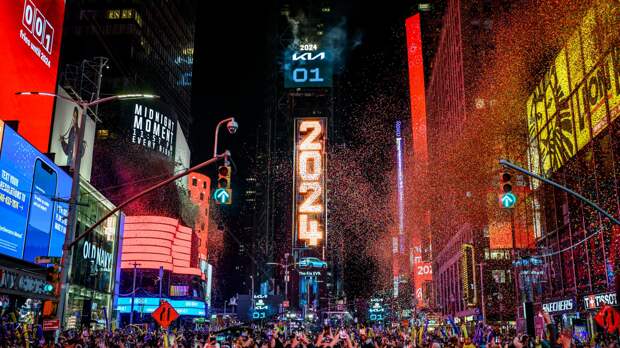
(31, 32)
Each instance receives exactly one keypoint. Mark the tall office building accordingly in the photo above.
(148, 48)
(459, 231)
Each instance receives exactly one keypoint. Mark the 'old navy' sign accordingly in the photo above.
(559, 306)
(598, 300)
(101, 257)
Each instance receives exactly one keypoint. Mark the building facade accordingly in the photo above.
(459, 227)
(584, 77)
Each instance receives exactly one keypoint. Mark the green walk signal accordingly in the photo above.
(508, 200)
(222, 196)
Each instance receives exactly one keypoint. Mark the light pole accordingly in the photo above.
(75, 184)
(252, 278)
(232, 126)
(286, 273)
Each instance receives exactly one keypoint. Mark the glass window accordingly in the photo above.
(499, 276)
(127, 13)
(204, 185)
(202, 196)
(194, 182)
(113, 14)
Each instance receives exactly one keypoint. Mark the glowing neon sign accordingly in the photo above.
(309, 215)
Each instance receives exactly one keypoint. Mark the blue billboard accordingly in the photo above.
(34, 195)
(308, 68)
(150, 304)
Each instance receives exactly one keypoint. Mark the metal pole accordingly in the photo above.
(133, 292)
(225, 302)
(563, 188)
(148, 190)
(217, 131)
(161, 280)
(76, 162)
(484, 312)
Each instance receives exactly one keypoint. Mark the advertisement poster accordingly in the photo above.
(151, 125)
(63, 135)
(31, 31)
(34, 195)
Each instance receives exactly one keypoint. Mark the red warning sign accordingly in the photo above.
(165, 314)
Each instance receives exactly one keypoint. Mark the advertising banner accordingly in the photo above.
(309, 182)
(63, 135)
(34, 195)
(308, 68)
(150, 124)
(579, 94)
(31, 31)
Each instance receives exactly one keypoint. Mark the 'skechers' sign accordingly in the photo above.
(153, 128)
(560, 306)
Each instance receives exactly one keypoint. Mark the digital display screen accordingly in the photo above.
(31, 31)
(150, 124)
(308, 68)
(150, 304)
(33, 200)
(309, 181)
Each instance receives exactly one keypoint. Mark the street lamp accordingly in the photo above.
(286, 273)
(79, 123)
(232, 127)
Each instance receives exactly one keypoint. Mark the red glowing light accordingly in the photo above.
(154, 241)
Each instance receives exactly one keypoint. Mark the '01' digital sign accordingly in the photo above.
(309, 185)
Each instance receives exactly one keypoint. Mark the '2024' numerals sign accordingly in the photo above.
(310, 180)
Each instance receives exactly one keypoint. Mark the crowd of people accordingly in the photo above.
(282, 336)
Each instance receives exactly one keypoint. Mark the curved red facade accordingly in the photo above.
(154, 241)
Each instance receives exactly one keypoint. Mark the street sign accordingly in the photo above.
(51, 325)
(508, 200)
(222, 195)
(165, 314)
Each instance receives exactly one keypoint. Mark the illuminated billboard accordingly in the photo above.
(31, 31)
(34, 195)
(308, 68)
(468, 274)
(309, 182)
(150, 124)
(147, 305)
(579, 94)
(63, 135)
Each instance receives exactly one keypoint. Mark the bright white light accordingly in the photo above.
(311, 204)
(310, 172)
(310, 141)
(309, 230)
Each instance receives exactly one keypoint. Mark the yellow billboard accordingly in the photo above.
(579, 94)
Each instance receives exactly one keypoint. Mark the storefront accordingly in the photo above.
(94, 261)
(23, 295)
(592, 304)
(564, 313)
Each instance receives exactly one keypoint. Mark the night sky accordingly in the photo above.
(234, 59)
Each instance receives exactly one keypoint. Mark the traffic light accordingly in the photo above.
(223, 193)
(507, 198)
(53, 280)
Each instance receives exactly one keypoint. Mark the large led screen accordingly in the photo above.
(33, 200)
(309, 181)
(308, 68)
(31, 31)
(579, 95)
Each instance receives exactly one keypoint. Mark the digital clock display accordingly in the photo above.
(308, 68)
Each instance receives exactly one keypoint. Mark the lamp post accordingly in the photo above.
(76, 161)
(232, 126)
(286, 273)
